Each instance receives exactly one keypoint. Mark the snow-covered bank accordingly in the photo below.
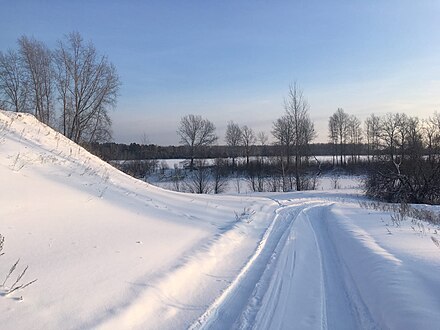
(113, 252)
(104, 245)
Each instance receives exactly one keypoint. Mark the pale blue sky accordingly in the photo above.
(234, 60)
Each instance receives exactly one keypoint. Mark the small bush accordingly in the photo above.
(17, 284)
(409, 181)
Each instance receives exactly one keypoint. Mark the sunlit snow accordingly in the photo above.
(112, 252)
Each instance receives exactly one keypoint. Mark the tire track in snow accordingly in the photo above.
(319, 292)
(244, 295)
(345, 308)
(294, 296)
(295, 280)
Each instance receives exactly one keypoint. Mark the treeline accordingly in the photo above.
(393, 137)
(403, 154)
(399, 153)
(135, 151)
(70, 88)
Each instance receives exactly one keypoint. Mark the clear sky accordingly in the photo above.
(234, 60)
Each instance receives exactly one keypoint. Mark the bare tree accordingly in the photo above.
(354, 137)
(13, 84)
(256, 175)
(37, 60)
(338, 127)
(233, 139)
(307, 134)
(431, 136)
(390, 128)
(373, 131)
(219, 178)
(248, 141)
(414, 138)
(199, 181)
(297, 108)
(177, 177)
(295, 129)
(196, 133)
(407, 176)
(333, 138)
(262, 138)
(402, 132)
(282, 131)
(436, 139)
(88, 86)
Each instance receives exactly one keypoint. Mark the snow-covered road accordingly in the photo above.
(314, 270)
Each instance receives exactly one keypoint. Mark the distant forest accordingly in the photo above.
(135, 151)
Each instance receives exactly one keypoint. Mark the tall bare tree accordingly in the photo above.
(435, 122)
(333, 138)
(37, 60)
(282, 131)
(414, 137)
(338, 126)
(430, 131)
(13, 84)
(373, 131)
(88, 85)
(390, 129)
(297, 108)
(248, 141)
(196, 133)
(354, 137)
(402, 121)
(233, 139)
(295, 130)
(262, 138)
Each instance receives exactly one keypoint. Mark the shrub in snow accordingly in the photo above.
(17, 284)
(409, 181)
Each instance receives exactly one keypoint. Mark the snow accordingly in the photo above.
(240, 185)
(112, 252)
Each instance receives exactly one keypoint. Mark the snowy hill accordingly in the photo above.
(112, 252)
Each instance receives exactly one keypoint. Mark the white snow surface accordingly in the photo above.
(112, 252)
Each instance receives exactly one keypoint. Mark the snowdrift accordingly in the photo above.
(109, 250)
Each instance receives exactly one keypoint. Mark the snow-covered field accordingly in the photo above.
(112, 252)
(241, 185)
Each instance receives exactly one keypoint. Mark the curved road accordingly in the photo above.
(299, 279)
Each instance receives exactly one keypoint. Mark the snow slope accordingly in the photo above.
(112, 252)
